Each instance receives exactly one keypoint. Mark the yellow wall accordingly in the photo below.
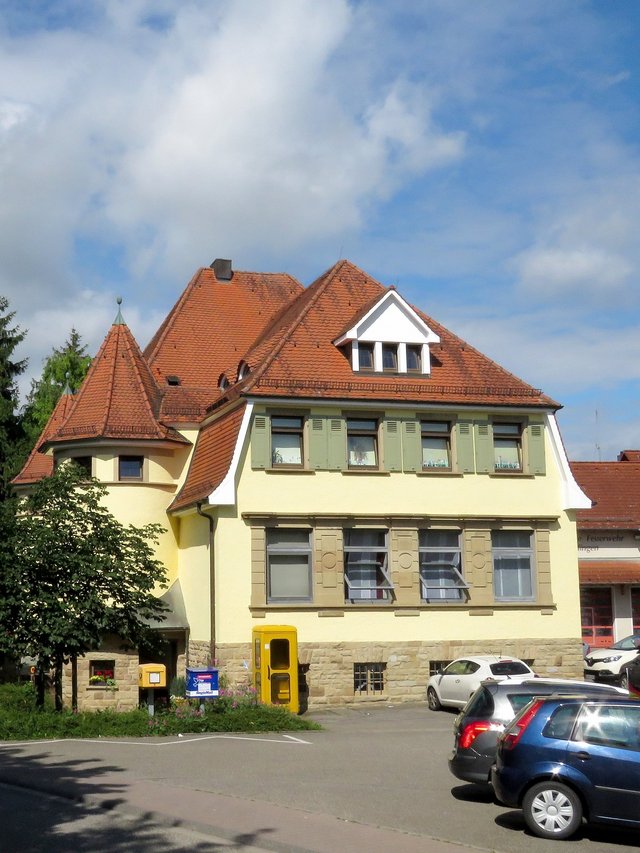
(360, 495)
(195, 574)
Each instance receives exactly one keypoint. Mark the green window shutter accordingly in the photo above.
(463, 433)
(261, 442)
(485, 460)
(392, 445)
(318, 443)
(411, 446)
(336, 444)
(535, 448)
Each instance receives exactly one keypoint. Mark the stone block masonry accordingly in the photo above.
(406, 667)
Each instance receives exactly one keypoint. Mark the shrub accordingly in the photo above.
(236, 711)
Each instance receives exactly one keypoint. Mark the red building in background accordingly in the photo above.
(609, 548)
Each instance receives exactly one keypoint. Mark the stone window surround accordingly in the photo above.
(327, 569)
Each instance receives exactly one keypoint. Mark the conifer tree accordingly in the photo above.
(10, 427)
(65, 367)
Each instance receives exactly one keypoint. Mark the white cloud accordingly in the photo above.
(219, 127)
(571, 271)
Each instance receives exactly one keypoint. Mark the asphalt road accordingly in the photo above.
(33, 823)
(377, 765)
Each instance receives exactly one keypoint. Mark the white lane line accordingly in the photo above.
(174, 742)
(297, 739)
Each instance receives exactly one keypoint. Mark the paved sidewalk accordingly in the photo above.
(240, 824)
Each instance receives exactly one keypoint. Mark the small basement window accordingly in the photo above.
(368, 678)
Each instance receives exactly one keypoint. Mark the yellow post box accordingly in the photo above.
(275, 665)
(152, 675)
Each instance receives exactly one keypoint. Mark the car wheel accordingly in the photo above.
(552, 810)
(432, 700)
(624, 680)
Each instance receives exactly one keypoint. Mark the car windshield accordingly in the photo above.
(509, 667)
(628, 644)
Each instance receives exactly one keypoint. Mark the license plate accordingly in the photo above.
(589, 676)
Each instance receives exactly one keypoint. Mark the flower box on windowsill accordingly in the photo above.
(96, 682)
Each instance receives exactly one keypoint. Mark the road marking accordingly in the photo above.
(183, 739)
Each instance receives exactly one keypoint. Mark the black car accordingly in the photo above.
(630, 678)
(493, 705)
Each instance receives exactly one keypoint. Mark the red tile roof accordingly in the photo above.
(118, 399)
(40, 465)
(296, 356)
(609, 571)
(614, 487)
(211, 458)
(212, 325)
(629, 456)
(285, 333)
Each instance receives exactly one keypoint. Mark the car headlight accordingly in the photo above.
(611, 659)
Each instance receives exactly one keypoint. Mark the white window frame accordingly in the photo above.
(445, 435)
(510, 552)
(504, 431)
(380, 589)
(455, 587)
(278, 429)
(279, 549)
(353, 431)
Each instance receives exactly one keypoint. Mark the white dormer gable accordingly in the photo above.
(390, 337)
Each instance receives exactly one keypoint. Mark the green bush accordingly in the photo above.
(233, 712)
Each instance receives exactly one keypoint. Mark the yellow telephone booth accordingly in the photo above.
(275, 665)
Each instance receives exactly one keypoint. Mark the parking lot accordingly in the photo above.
(379, 765)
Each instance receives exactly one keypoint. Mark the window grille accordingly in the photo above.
(368, 678)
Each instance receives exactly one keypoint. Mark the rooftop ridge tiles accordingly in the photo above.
(464, 390)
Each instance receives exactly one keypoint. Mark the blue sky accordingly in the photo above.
(482, 156)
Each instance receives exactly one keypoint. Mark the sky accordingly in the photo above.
(483, 157)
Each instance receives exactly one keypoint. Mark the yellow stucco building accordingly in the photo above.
(334, 460)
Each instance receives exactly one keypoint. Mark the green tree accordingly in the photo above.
(10, 428)
(72, 573)
(64, 367)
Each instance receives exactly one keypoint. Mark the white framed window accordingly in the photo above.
(436, 445)
(513, 565)
(366, 566)
(365, 356)
(362, 442)
(507, 446)
(390, 358)
(287, 433)
(414, 359)
(288, 564)
(440, 558)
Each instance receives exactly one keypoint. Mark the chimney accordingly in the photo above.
(222, 269)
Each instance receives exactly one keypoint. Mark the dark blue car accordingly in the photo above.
(565, 759)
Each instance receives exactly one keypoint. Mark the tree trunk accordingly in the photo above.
(74, 683)
(40, 681)
(57, 681)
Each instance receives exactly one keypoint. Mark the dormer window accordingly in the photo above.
(390, 357)
(390, 338)
(173, 380)
(365, 353)
(414, 359)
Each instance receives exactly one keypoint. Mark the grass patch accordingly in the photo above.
(233, 712)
